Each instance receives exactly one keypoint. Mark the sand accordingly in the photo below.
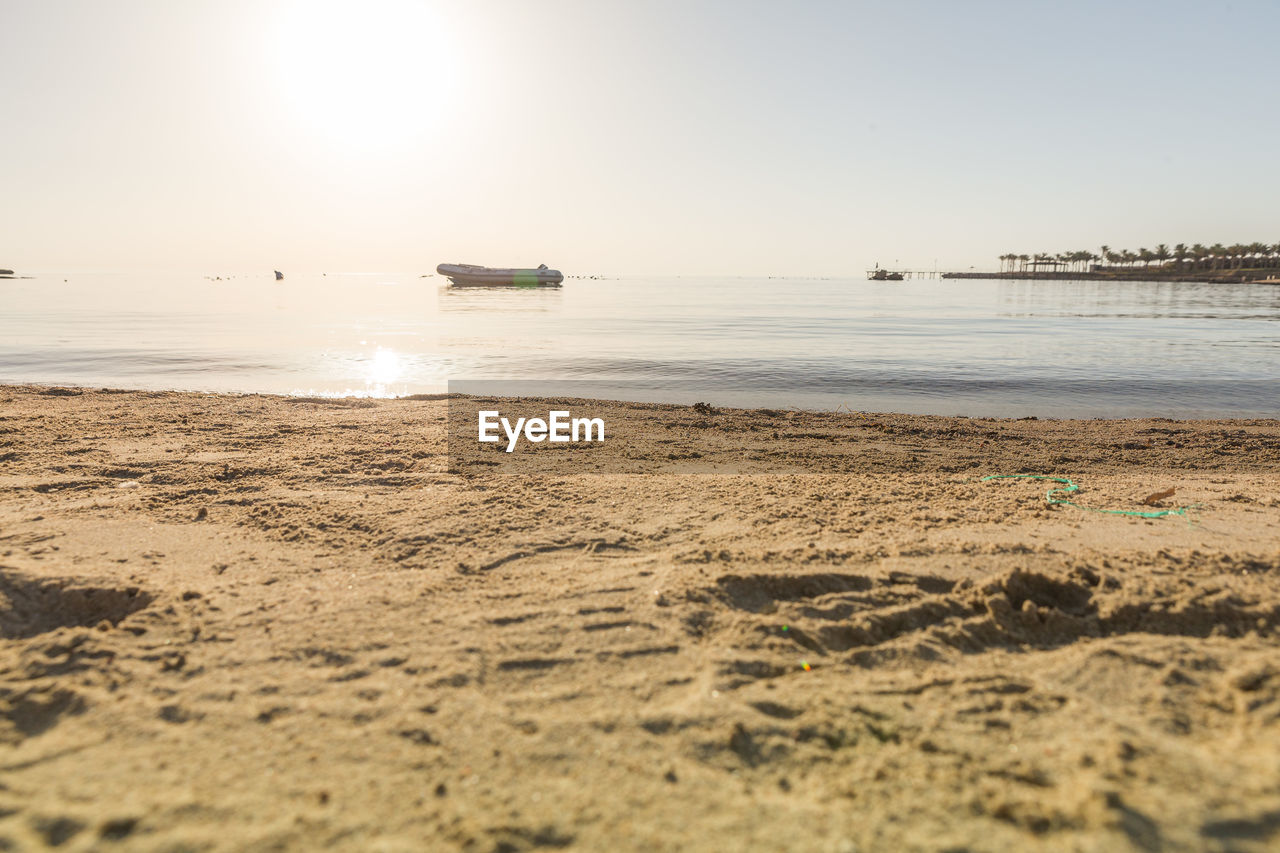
(250, 622)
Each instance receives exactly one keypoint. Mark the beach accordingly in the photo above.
(259, 622)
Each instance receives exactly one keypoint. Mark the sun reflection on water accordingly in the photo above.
(384, 368)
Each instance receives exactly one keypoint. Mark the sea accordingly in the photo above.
(930, 346)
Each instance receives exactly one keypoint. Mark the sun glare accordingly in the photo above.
(367, 75)
(384, 368)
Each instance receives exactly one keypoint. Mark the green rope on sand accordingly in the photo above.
(1072, 487)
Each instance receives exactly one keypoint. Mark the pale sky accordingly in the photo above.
(648, 137)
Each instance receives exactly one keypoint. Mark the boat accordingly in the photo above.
(279, 275)
(878, 274)
(471, 275)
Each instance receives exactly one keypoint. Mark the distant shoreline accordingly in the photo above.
(1232, 277)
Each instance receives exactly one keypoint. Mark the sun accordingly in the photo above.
(373, 74)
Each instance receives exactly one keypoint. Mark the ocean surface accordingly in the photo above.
(1006, 348)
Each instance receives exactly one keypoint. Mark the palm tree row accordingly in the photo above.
(1197, 257)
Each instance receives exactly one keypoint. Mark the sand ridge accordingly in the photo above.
(241, 622)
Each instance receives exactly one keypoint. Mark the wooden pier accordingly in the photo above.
(882, 274)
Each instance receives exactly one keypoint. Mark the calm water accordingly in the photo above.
(948, 347)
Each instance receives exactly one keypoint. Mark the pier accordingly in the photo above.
(882, 274)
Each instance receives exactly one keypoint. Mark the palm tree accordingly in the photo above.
(1197, 256)
(1259, 251)
(1219, 252)
(1238, 252)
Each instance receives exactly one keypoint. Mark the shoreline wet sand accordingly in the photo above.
(247, 622)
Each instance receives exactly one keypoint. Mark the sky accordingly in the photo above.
(699, 137)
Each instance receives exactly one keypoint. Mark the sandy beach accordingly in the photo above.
(252, 622)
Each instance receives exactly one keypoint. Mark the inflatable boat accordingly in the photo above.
(470, 275)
